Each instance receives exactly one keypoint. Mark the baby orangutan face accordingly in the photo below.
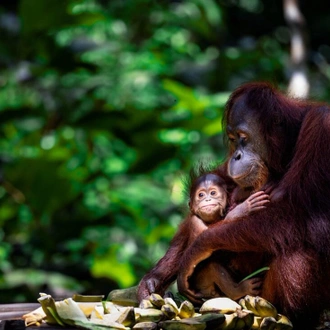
(210, 199)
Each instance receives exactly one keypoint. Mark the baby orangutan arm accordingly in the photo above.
(165, 271)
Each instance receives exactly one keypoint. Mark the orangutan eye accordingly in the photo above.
(243, 137)
(213, 192)
(231, 138)
(201, 195)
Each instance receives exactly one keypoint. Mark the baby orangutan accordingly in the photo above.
(208, 200)
(208, 204)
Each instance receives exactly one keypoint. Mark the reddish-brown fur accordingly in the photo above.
(295, 228)
(167, 268)
(211, 279)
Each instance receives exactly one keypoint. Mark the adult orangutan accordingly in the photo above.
(282, 144)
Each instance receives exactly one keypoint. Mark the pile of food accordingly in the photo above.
(121, 311)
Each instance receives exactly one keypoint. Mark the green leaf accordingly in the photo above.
(108, 265)
(55, 316)
(40, 15)
(255, 273)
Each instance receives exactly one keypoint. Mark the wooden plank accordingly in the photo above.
(19, 325)
(15, 311)
(16, 307)
(11, 317)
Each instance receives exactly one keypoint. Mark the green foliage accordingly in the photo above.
(104, 106)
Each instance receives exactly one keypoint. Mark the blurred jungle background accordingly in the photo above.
(106, 104)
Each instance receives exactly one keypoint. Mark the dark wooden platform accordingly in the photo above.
(11, 317)
(15, 311)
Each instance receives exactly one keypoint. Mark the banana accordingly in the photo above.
(186, 309)
(268, 323)
(169, 311)
(242, 303)
(212, 320)
(230, 322)
(283, 323)
(185, 324)
(171, 302)
(265, 308)
(221, 305)
(124, 297)
(145, 326)
(156, 300)
(127, 318)
(245, 319)
(250, 304)
(240, 324)
(148, 315)
(146, 303)
(256, 322)
(206, 321)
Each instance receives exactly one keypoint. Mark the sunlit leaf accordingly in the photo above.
(109, 266)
